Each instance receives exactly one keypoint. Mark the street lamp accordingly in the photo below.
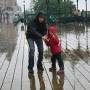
(24, 8)
(65, 12)
(47, 1)
(77, 4)
(86, 8)
(59, 3)
(24, 20)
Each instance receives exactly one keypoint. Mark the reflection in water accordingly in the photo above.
(57, 82)
(41, 81)
(32, 81)
(87, 38)
(79, 31)
(8, 39)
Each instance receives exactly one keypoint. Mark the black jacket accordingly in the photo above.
(36, 30)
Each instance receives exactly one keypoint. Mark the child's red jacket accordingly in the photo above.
(52, 41)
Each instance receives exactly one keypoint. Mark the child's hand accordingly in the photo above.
(47, 40)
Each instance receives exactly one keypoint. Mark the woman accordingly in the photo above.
(36, 31)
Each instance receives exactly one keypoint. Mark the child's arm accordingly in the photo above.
(55, 38)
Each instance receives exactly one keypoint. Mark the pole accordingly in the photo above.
(65, 8)
(24, 9)
(86, 26)
(47, 1)
(86, 8)
(59, 3)
(24, 15)
(77, 4)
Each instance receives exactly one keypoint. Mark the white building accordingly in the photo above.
(8, 9)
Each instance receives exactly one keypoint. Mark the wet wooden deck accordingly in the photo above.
(14, 73)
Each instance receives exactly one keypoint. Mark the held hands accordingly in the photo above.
(44, 38)
(52, 34)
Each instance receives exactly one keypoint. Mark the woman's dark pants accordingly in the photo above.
(39, 44)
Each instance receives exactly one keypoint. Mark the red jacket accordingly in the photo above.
(52, 41)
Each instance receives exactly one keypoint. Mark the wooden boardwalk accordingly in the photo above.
(14, 73)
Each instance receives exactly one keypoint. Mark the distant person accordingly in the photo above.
(36, 30)
(54, 43)
(79, 13)
(83, 13)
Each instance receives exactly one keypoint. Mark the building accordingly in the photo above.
(7, 9)
(5, 4)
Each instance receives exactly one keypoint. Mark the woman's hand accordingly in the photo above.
(44, 38)
(52, 34)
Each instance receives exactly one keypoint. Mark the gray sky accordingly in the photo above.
(27, 3)
(81, 4)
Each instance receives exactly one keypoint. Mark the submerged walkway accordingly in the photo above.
(14, 73)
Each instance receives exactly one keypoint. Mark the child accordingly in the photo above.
(55, 46)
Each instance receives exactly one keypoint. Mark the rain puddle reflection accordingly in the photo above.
(8, 39)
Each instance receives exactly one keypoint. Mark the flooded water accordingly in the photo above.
(75, 40)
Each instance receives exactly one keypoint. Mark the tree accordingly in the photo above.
(55, 7)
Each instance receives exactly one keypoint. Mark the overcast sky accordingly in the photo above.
(81, 4)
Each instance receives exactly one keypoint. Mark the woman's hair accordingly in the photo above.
(40, 14)
(40, 26)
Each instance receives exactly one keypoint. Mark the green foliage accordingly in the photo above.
(55, 7)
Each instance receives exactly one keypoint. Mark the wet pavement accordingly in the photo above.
(14, 75)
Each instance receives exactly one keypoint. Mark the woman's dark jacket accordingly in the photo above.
(36, 30)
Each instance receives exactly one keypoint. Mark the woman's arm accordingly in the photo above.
(47, 42)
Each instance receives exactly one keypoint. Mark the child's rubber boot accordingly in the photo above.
(52, 69)
(59, 72)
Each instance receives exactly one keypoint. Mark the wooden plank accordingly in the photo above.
(80, 77)
(25, 79)
(67, 82)
(84, 72)
(9, 75)
(18, 68)
(82, 63)
(3, 72)
(49, 74)
(71, 73)
(2, 59)
(83, 80)
(67, 85)
(85, 66)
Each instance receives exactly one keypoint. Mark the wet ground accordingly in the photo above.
(75, 40)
